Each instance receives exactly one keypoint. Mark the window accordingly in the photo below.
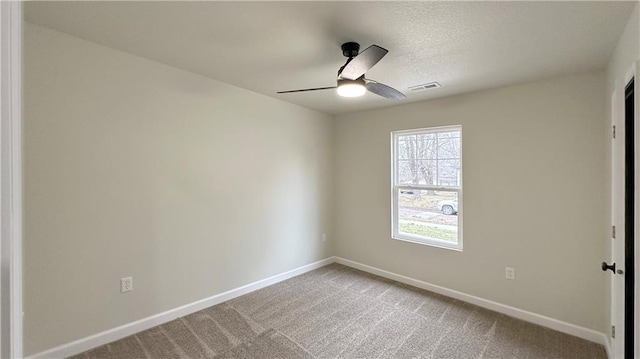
(427, 186)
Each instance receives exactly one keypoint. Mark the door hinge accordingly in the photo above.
(614, 131)
(613, 231)
(613, 331)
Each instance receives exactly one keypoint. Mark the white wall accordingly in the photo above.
(134, 168)
(534, 173)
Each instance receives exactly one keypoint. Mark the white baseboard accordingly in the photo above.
(111, 335)
(607, 347)
(84, 344)
(568, 328)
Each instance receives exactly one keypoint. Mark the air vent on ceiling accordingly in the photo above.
(423, 87)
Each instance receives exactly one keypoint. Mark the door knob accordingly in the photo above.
(611, 267)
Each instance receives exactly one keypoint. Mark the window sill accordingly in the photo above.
(434, 243)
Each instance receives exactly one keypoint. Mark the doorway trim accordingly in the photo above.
(11, 309)
(629, 143)
(618, 214)
(636, 240)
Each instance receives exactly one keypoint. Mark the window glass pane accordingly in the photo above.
(449, 173)
(407, 147)
(428, 214)
(427, 172)
(406, 171)
(417, 146)
(426, 146)
(448, 148)
(449, 134)
(404, 145)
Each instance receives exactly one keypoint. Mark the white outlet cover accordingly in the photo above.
(510, 273)
(126, 284)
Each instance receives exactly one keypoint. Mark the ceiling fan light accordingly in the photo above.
(351, 89)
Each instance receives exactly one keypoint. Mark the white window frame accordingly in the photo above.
(395, 190)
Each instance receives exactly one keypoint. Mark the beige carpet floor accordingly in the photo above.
(339, 312)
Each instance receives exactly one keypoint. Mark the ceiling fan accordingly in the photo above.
(351, 81)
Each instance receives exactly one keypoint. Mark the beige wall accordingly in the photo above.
(534, 174)
(134, 168)
(195, 187)
(627, 51)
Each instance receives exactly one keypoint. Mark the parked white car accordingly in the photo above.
(448, 206)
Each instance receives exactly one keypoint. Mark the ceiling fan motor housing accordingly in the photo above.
(350, 49)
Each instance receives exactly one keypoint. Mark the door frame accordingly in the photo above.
(636, 319)
(630, 269)
(11, 309)
(617, 201)
(614, 347)
(633, 74)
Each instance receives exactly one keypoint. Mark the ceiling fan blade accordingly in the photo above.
(363, 62)
(305, 90)
(384, 90)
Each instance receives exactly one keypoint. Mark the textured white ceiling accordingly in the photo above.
(273, 46)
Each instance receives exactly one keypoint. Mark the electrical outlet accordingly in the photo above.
(510, 273)
(126, 284)
(324, 237)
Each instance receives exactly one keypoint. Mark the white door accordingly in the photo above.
(617, 335)
(617, 221)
